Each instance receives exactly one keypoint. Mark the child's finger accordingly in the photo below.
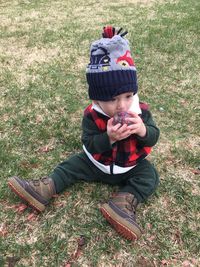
(117, 127)
(110, 122)
(111, 125)
(132, 120)
(125, 134)
(133, 126)
(133, 114)
(122, 128)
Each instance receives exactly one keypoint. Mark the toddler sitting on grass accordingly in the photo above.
(114, 152)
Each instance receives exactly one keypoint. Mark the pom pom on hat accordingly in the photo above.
(109, 32)
(111, 70)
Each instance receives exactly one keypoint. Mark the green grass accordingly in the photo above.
(44, 48)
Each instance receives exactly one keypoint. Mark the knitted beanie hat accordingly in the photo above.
(111, 70)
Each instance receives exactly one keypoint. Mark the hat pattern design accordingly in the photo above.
(111, 70)
(110, 54)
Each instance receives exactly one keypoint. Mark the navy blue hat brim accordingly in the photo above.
(103, 86)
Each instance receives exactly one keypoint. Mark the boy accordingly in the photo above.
(113, 153)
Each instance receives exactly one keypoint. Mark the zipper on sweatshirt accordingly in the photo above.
(111, 169)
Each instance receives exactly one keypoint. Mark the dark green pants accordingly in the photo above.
(140, 181)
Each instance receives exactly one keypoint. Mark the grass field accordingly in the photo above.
(44, 48)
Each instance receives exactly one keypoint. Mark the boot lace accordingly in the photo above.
(131, 205)
(44, 180)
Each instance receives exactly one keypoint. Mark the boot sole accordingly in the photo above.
(123, 227)
(23, 194)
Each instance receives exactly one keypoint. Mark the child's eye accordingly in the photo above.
(113, 99)
(129, 96)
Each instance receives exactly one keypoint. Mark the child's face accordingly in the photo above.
(119, 103)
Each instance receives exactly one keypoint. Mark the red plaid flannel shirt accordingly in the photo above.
(124, 153)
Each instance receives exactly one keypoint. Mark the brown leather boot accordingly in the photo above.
(36, 192)
(120, 213)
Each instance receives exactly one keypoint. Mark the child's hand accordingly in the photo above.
(137, 126)
(117, 132)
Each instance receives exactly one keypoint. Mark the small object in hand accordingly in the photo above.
(121, 117)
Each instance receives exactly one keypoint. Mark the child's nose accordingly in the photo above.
(121, 105)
